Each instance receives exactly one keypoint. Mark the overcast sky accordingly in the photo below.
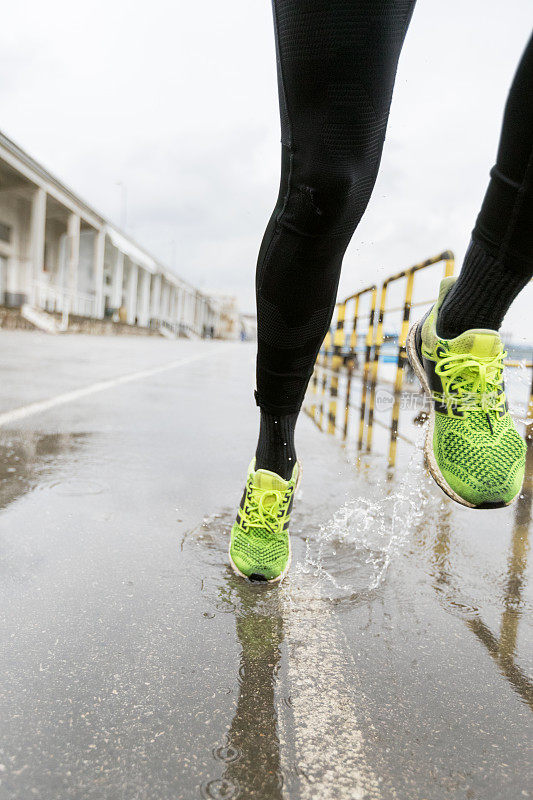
(177, 100)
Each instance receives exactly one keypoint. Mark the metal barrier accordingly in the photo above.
(529, 412)
(338, 357)
(449, 262)
(366, 366)
(332, 359)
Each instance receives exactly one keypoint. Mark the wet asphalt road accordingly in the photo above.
(392, 663)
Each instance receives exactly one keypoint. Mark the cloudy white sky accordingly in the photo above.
(177, 100)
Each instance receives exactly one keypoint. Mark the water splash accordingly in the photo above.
(354, 550)
(518, 386)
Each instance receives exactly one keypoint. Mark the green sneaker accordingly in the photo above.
(473, 449)
(260, 548)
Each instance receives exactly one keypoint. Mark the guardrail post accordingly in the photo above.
(350, 366)
(314, 391)
(402, 356)
(324, 381)
(366, 367)
(449, 266)
(375, 364)
(529, 425)
(336, 361)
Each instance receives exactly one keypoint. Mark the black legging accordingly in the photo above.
(505, 223)
(336, 68)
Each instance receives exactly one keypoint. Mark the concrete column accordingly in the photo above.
(205, 315)
(131, 302)
(144, 311)
(155, 299)
(73, 256)
(118, 280)
(99, 252)
(189, 301)
(178, 313)
(201, 309)
(185, 300)
(37, 234)
(180, 305)
(174, 308)
(170, 301)
(164, 300)
(196, 316)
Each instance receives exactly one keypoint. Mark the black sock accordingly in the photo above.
(482, 294)
(275, 448)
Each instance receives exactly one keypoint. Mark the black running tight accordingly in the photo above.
(504, 226)
(336, 68)
(499, 261)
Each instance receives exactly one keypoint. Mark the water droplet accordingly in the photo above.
(227, 753)
(220, 789)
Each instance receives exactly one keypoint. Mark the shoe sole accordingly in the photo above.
(279, 577)
(429, 455)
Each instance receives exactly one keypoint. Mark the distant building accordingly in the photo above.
(227, 311)
(248, 327)
(57, 254)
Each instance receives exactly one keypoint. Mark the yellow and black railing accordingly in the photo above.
(447, 258)
(337, 359)
(331, 389)
(529, 412)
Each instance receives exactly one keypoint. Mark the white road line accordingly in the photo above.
(8, 417)
(330, 748)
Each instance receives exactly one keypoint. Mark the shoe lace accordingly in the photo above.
(263, 509)
(472, 383)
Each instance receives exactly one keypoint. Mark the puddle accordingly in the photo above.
(344, 561)
(29, 460)
(247, 763)
(474, 562)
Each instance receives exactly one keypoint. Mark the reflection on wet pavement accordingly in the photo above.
(289, 637)
(29, 460)
(250, 752)
(295, 710)
(391, 664)
(502, 648)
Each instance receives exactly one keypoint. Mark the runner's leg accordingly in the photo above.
(336, 63)
(499, 261)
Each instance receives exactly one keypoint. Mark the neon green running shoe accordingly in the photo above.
(260, 547)
(473, 449)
